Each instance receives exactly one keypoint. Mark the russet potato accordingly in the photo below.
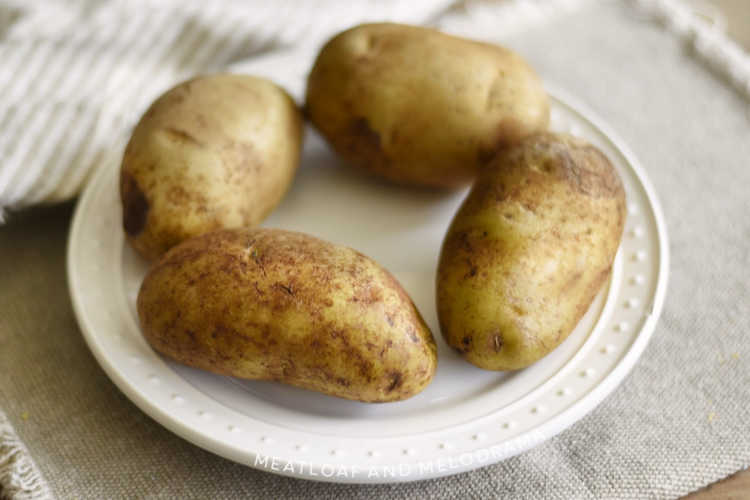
(269, 304)
(528, 251)
(214, 152)
(419, 107)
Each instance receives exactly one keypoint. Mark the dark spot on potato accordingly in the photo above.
(135, 205)
(364, 144)
(182, 135)
(485, 156)
(459, 349)
(464, 243)
(360, 127)
(388, 345)
(396, 381)
(519, 310)
(465, 345)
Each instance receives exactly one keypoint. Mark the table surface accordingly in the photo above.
(735, 487)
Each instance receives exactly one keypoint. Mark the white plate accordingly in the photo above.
(465, 419)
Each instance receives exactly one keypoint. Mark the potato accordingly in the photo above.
(276, 305)
(528, 251)
(419, 107)
(214, 152)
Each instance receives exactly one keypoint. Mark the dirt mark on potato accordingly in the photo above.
(135, 205)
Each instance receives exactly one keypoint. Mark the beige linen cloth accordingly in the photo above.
(678, 422)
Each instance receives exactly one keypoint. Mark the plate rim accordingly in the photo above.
(518, 444)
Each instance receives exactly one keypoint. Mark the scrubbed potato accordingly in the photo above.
(214, 152)
(528, 251)
(420, 107)
(277, 305)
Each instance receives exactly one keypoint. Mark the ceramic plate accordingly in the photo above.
(466, 418)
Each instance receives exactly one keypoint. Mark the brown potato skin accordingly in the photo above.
(419, 107)
(528, 251)
(217, 151)
(269, 304)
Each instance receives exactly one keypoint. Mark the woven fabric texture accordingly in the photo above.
(677, 423)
